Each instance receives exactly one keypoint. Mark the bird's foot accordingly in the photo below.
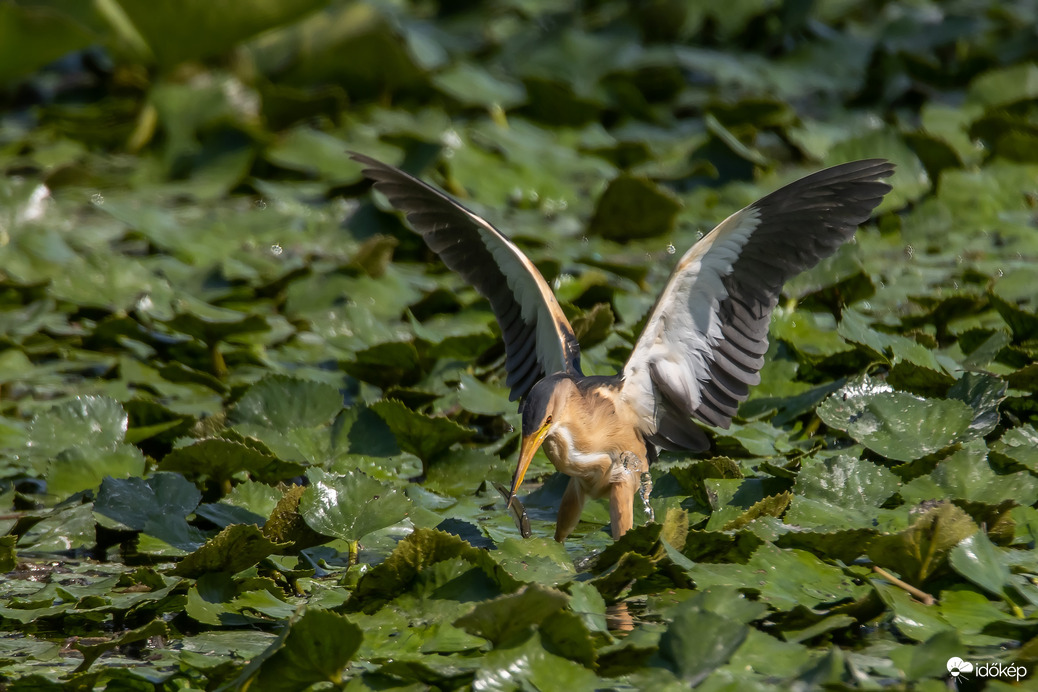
(626, 466)
(644, 490)
(631, 469)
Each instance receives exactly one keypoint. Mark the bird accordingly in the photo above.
(701, 349)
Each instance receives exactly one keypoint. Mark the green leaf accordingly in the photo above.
(593, 326)
(472, 85)
(85, 421)
(539, 560)
(899, 426)
(911, 618)
(83, 468)
(157, 506)
(587, 602)
(284, 403)
(314, 153)
(424, 436)
(531, 664)
(237, 547)
(983, 393)
(509, 619)
(920, 551)
(697, 642)
(634, 207)
(8, 556)
(891, 347)
(784, 578)
(797, 577)
(192, 30)
(211, 324)
(852, 484)
(286, 524)
(977, 559)
(770, 506)
(91, 652)
(32, 36)
(1004, 86)
(396, 574)
(828, 624)
(1021, 445)
(350, 506)
(221, 459)
(966, 474)
(314, 648)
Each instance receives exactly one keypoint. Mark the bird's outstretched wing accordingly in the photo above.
(538, 338)
(704, 343)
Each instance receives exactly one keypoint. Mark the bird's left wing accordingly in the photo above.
(538, 338)
(704, 343)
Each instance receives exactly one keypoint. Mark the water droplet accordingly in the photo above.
(260, 204)
(276, 249)
(451, 139)
(1000, 272)
(97, 199)
(671, 249)
(144, 303)
(585, 239)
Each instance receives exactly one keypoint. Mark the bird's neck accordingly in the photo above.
(573, 455)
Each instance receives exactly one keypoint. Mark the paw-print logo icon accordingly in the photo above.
(956, 666)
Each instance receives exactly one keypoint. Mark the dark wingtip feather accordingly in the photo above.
(460, 238)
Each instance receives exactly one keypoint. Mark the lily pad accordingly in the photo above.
(350, 506)
(634, 207)
(511, 618)
(284, 403)
(237, 547)
(157, 506)
(899, 426)
(966, 474)
(978, 559)
(1021, 445)
(86, 421)
(921, 551)
(424, 436)
(220, 459)
(314, 648)
(697, 642)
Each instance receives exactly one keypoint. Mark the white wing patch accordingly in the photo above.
(538, 306)
(673, 354)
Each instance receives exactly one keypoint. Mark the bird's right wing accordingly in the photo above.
(538, 338)
(704, 343)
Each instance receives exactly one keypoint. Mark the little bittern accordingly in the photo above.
(702, 348)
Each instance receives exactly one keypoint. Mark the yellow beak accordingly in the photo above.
(530, 444)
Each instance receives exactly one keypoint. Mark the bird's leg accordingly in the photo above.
(569, 510)
(626, 481)
(645, 489)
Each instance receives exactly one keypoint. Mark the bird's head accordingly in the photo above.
(541, 410)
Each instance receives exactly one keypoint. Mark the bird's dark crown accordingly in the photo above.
(535, 405)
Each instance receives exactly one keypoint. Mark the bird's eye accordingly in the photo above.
(547, 420)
